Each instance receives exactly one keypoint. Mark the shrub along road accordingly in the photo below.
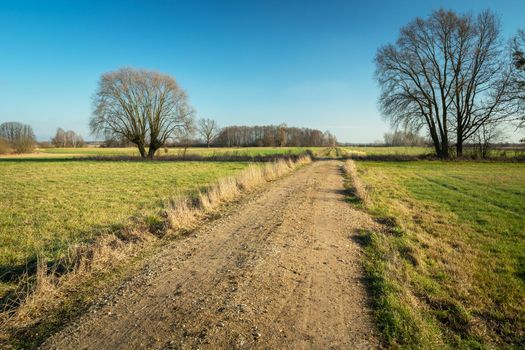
(278, 269)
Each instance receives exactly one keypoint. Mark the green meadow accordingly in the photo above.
(47, 205)
(418, 150)
(450, 270)
(387, 150)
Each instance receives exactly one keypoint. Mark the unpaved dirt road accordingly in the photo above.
(279, 270)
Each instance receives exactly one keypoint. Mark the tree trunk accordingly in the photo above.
(459, 147)
(437, 148)
(142, 150)
(444, 149)
(435, 141)
(151, 151)
(444, 137)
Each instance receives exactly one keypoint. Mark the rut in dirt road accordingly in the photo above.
(279, 271)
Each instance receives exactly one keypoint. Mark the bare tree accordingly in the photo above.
(184, 137)
(282, 135)
(446, 74)
(71, 138)
(59, 140)
(20, 136)
(482, 91)
(485, 137)
(67, 139)
(412, 76)
(208, 129)
(518, 57)
(5, 146)
(146, 108)
(404, 138)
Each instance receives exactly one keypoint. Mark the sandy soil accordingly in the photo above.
(278, 270)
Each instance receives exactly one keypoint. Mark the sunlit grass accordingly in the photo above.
(47, 205)
(132, 151)
(417, 150)
(383, 150)
(451, 272)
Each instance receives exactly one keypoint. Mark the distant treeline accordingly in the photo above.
(247, 136)
(273, 136)
(67, 139)
(16, 138)
(405, 138)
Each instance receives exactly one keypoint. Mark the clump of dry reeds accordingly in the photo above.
(46, 287)
(359, 189)
(183, 210)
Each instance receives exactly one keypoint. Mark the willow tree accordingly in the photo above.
(448, 74)
(143, 107)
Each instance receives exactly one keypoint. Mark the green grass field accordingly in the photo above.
(48, 205)
(451, 270)
(415, 151)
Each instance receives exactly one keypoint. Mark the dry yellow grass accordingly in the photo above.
(184, 210)
(358, 187)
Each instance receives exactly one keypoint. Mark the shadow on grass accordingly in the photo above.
(362, 237)
(40, 160)
(54, 257)
(174, 158)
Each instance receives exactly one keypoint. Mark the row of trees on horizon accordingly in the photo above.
(19, 138)
(16, 137)
(208, 133)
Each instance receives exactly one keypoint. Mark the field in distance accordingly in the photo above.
(417, 150)
(388, 150)
(47, 205)
(202, 151)
(452, 268)
(250, 151)
(172, 151)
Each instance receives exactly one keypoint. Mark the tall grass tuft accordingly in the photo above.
(359, 189)
(183, 210)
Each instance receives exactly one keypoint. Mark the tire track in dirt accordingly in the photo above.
(279, 270)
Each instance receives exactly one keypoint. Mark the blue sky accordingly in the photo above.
(304, 63)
